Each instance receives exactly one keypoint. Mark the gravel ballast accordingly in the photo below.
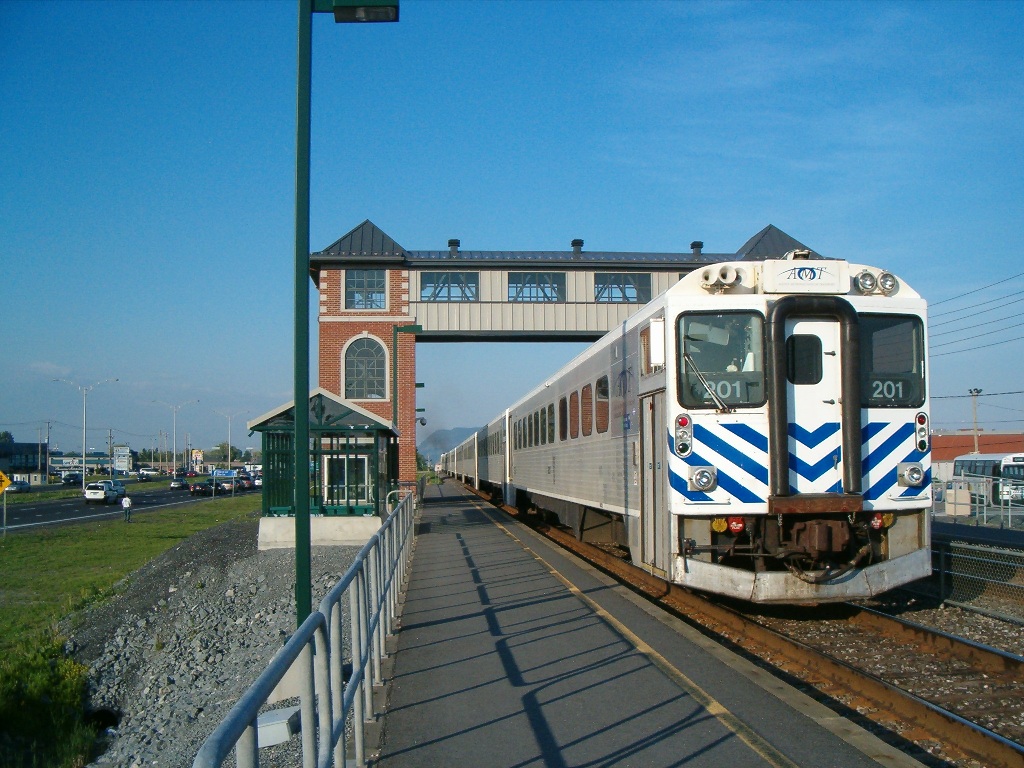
(185, 636)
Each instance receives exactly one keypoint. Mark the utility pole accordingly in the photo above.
(974, 408)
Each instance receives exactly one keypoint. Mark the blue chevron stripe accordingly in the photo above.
(749, 435)
(730, 453)
(883, 451)
(871, 429)
(815, 438)
(892, 478)
(812, 472)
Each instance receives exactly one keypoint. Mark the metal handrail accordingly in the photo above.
(373, 584)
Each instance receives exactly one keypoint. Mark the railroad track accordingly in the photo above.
(956, 699)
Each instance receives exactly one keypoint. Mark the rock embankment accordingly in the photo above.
(185, 636)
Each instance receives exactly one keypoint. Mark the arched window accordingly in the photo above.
(366, 370)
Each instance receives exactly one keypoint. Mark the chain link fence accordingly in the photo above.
(982, 577)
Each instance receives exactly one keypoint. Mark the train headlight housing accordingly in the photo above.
(911, 474)
(865, 282)
(887, 283)
(703, 478)
(921, 430)
(684, 434)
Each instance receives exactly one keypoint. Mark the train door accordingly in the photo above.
(654, 517)
(813, 375)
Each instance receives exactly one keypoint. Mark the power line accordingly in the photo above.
(980, 394)
(961, 351)
(972, 311)
(983, 288)
(976, 325)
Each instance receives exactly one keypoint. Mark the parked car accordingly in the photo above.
(258, 481)
(102, 491)
(179, 484)
(18, 486)
(206, 488)
(72, 478)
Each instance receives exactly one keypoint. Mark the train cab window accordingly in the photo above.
(891, 361)
(587, 410)
(803, 359)
(563, 419)
(601, 409)
(724, 352)
(574, 415)
(551, 422)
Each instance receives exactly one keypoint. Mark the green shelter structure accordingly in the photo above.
(353, 465)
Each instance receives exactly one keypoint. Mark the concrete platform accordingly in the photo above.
(279, 532)
(513, 654)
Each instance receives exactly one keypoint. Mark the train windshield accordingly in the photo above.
(891, 361)
(723, 352)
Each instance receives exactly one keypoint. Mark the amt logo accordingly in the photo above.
(805, 274)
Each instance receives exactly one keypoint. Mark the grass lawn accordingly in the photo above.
(48, 573)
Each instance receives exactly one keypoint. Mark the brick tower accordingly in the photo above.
(363, 317)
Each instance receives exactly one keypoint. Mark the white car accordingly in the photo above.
(102, 491)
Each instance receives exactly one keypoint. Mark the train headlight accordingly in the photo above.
(865, 282)
(703, 478)
(911, 474)
(887, 283)
(684, 434)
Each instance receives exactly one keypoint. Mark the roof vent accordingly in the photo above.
(696, 247)
(577, 246)
(453, 247)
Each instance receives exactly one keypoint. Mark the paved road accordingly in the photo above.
(33, 514)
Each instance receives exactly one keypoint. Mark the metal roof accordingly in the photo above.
(368, 244)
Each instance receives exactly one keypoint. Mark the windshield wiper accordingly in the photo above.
(719, 402)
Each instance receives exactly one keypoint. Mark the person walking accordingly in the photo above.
(126, 505)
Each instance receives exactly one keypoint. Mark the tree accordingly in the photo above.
(6, 437)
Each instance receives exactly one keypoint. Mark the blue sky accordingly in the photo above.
(147, 178)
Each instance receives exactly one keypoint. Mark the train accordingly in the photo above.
(760, 431)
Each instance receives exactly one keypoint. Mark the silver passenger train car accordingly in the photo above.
(760, 430)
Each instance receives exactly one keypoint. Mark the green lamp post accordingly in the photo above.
(344, 11)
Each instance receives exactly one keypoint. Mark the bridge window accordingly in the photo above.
(366, 372)
(366, 288)
(536, 286)
(622, 287)
(449, 286)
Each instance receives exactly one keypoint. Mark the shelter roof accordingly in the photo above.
(327, 413)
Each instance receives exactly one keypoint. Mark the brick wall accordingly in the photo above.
(338, 326)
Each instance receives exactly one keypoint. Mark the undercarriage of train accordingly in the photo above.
(815, 549)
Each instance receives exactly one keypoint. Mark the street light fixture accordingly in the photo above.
(85, 390)
(174, 432)
(229, 417)
(974, 408)
(344, 11)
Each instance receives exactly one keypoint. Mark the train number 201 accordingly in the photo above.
(886, 389)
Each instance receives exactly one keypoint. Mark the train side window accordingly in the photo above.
(563, 419)
(529, 432)
(803, 359)
(543, 426)
(536, 428)
(587, 409)
(601, 412)
(551, 422)
(574, 415)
